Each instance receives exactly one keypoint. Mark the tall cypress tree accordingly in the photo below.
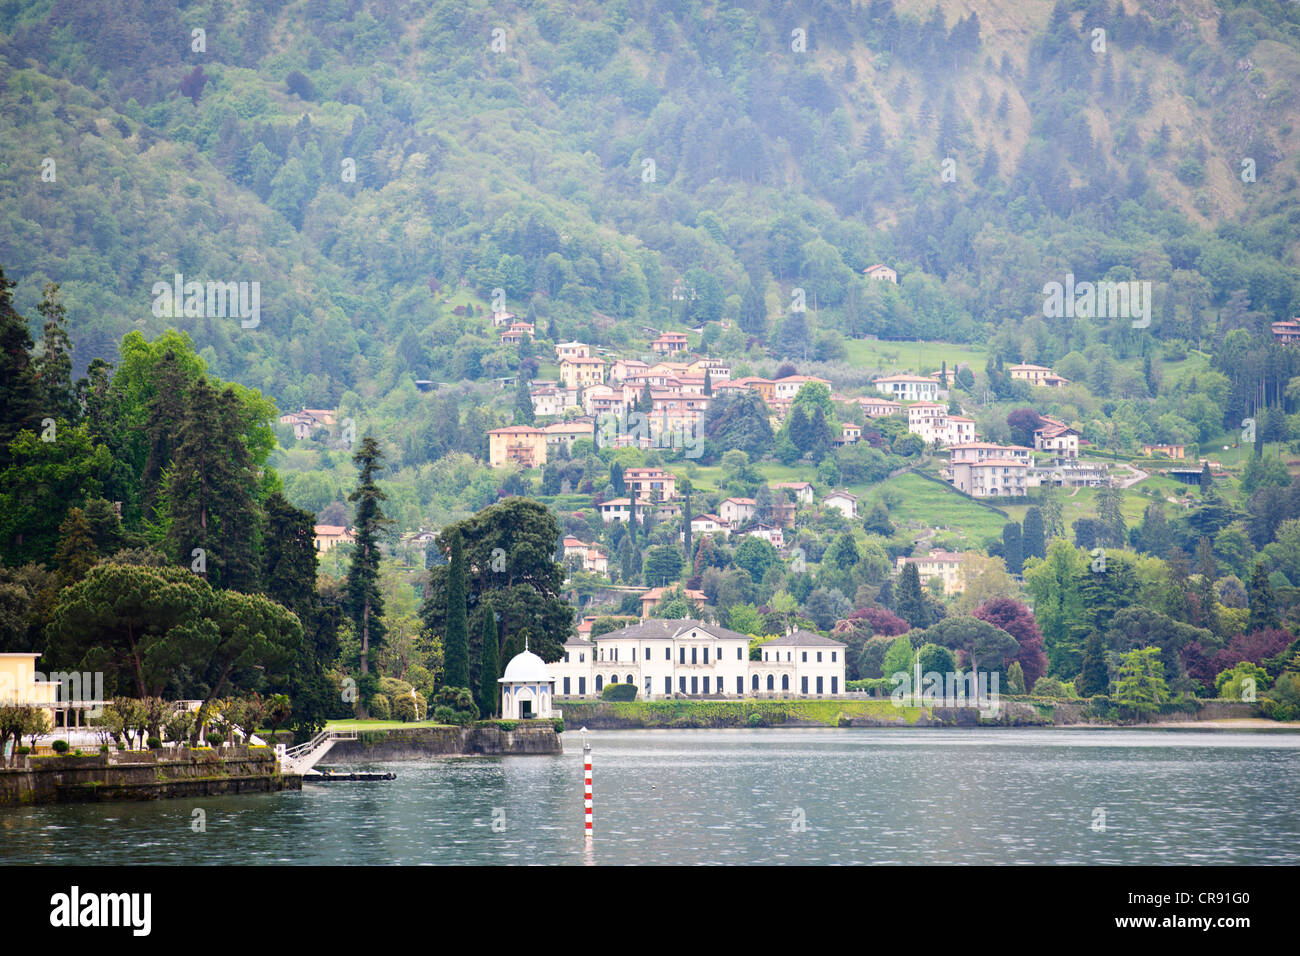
(1033, 542)
(1012, 548)
(489, 668)
(455, 641)
(910, 602)
(365, 603)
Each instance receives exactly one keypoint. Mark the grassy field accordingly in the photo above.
(913, 356)
(924, 503)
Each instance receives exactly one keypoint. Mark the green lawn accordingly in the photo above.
(913, 356)
(931, 505)
(380, 724)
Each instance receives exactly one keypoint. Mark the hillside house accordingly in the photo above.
(571, 350)
(991, 477)
(670, 343)
(1037, 375)
(515, 334)
(908, 388)
(737, 511)
(582, 372)
(944, 565)
(521, 444)
(329, 535)
(881, 273)
(802, 490)
(842, 501)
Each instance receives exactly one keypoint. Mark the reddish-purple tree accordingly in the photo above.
(192, 85)
(1253, 647)
(1023, 422)
(1018, 621)
(882, 621)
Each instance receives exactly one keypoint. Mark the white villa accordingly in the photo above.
(908, 388)
(688, 658)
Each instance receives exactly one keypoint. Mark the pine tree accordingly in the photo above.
(365, 602)
(455, 641)
(53, 367)
(76, 553)
(1263, 605)
(489, 668)
(708, 383)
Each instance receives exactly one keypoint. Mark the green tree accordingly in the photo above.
(210, 504)
(1094, 677)
(489, 667)
(364, 601)
(899, 658)
(456, 638)
(1033, 539)
(1139, 682)
(909, 601)
(20, 392)
(1260, 598)
(141, 626)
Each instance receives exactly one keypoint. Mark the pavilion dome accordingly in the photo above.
(526, 668)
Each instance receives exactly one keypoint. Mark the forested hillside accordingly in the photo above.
(613, 165)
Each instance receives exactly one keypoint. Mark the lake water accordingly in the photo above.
(743, 796)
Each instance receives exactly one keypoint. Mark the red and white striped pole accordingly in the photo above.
(586, 766)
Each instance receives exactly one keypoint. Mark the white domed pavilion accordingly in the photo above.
(527, 689)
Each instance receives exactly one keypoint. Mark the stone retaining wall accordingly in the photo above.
(142, 775)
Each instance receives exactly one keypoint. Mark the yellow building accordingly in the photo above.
(518, 443)
(18, 683)
(580, 372)
(944, 565)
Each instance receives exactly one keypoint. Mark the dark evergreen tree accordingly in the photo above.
(1094, 678)
(210, 505)
(909, 599)
(365, 603)
(1263, 604)
(489, 667)
(20, 394)
(1033, 542)
(523, 403)
(1011, 547)
(53, 367)
(455, 639)
(289, 562)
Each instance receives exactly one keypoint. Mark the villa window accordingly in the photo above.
(805, 656)
(668, 653)
(819, 657)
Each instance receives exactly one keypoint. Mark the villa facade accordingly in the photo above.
(688, 658)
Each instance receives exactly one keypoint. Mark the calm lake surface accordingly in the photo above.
(743, 796)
